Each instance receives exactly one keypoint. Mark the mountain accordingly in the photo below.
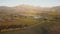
(27, 10)
(6, 10)
(56, 8)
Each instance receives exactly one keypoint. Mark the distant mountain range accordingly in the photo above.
(26, 9)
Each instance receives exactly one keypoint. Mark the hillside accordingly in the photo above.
(31, 19)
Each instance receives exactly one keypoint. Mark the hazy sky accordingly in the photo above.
(43, 3)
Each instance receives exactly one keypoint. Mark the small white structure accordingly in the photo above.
(37, 17)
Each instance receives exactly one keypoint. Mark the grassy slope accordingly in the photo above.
(48, 27)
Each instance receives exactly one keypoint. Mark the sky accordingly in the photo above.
(42, 3)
